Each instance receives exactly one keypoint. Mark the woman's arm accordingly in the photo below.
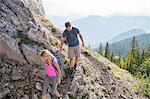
(57, 67)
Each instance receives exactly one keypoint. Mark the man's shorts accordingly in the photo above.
(74, 51)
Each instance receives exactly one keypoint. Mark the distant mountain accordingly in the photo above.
(58, 21)
(101, 29)
(127, 34)
(124, 45)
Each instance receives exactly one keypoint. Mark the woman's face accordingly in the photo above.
(45, 57)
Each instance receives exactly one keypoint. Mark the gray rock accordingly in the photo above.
(35, 5)
(25, 97)
(4, 93)
(38, 86)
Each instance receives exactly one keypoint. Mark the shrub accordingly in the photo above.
(144, 86)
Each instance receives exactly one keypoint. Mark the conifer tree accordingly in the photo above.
(112, 57)
(107, 50)
(100, 49)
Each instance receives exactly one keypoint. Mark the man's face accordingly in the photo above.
(69, 28)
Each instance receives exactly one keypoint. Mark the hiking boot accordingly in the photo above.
(59, 97)
(75, 65)
(72, 72)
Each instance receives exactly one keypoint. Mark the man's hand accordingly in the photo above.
(60, 50)
(61, 44)
(81, 37)
(82, 44)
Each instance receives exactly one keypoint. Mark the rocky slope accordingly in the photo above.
(35, 6)
(23, 33)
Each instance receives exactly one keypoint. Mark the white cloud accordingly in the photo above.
(96, 7)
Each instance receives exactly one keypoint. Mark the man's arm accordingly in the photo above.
(62, 43)
(81, 37)
(62, 40)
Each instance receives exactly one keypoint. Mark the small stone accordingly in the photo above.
(4, 93)
(25, 97)
(123, 97)
(38, 86)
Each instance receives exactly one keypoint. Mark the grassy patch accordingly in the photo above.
(144, 86)
(87, 71)
(53, 42)
(47, 22)
(54, 30)
(66, 61)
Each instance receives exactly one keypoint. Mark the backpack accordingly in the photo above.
(59, 64)
(58, 60)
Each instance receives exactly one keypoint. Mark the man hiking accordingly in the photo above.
(71, 35)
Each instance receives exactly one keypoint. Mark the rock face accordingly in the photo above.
(23, 33)
(35, 6)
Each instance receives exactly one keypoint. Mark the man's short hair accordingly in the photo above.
(67, 24)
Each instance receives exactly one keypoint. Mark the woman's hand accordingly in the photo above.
(59, 81)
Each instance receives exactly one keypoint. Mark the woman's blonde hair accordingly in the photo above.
(46, 52)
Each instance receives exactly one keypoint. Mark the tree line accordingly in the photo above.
(136, 61)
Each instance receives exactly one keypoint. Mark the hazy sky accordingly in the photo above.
(96, 7)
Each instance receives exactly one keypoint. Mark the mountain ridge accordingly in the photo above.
(127, 34)
(98, 29)
(124, 45)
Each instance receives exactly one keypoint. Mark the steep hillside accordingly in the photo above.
(23, 33)
(35, 6)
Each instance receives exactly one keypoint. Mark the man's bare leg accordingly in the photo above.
(76, 62)
(43, 96)
(72, 68)
(72, 63)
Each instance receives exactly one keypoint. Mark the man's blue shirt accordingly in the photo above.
(72, 37)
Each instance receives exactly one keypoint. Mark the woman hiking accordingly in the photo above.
(52, 76)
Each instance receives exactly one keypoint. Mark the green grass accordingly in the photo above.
(47, 22)
(54, 42)
(144, 86)
(54, 30)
